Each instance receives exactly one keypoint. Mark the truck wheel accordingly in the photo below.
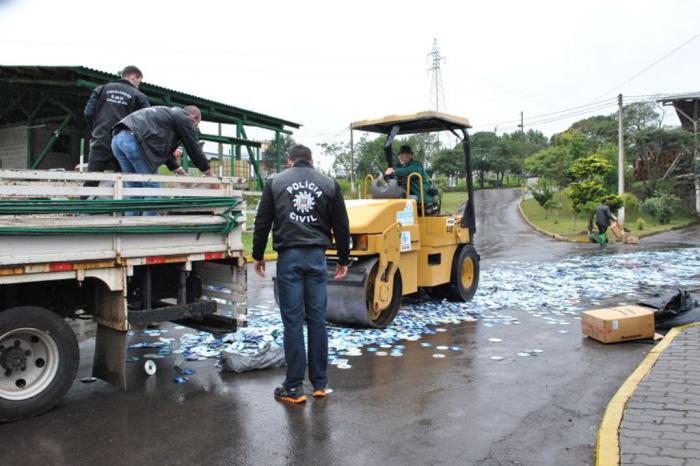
(39, 359)
(464, 278)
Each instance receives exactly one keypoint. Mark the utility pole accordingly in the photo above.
(620, 159)
(352, 163)
(436, 89)
(522, 139)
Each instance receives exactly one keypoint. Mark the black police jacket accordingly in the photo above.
(304, 208)
(160, 130)
(107, 105)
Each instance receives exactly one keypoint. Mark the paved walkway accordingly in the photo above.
(661, 421)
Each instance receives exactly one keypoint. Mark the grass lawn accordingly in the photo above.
(564, 224)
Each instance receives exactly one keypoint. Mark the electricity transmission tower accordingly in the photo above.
(437, 92)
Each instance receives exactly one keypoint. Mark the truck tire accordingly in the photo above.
(464, 278)
(39, 360)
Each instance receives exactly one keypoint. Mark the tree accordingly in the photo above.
(269, 155)
(450, 163)
(339, 152)
(483, 146)
(588, 190)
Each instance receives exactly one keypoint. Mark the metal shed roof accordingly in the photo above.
(75, 83)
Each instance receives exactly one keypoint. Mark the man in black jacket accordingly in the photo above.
(147, 139)
(108, 104)
(304, 208)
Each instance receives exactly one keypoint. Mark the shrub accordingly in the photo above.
(631, 203)
(661, 207)
(543, 191)
(641, 223)
(613, 201)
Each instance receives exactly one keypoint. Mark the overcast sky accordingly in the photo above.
(324, 64)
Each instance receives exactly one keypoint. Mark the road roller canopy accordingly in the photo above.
(421, 122)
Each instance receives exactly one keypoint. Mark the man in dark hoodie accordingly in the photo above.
(109, 104)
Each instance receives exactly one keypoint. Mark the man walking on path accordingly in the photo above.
(603, 219)
(303, 208)
(147, 139)
(109, 104)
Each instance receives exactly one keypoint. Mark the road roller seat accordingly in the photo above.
(389, 190)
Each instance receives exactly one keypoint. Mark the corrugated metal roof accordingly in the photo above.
(101, 77)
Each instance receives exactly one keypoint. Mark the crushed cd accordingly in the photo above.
(396, 354)
(537, 350)
(441, 347)
(438, 355)
(455, 348)
(496, 358)
(150, 367)
(440, 329)
(413, 338)
(371, 349)
(523, 354)
(343, 366)
(495, 340)
(563, 331)
(425, 344)
(381, 353)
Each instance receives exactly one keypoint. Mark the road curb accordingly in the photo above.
(608, 446)
(568, 240)
(540, 230)
(269, 257)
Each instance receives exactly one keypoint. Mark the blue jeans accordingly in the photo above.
(128, 152)
(301, 285)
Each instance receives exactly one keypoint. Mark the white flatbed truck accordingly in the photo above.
(68, 249)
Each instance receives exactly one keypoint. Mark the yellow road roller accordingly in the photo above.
(400, 244)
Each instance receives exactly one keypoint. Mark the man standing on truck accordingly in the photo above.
(108, 104)
(303, 208)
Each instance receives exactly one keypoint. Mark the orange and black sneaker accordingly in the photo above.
(321, 392)
(290, 395)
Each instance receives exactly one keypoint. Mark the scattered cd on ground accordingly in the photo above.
(496, 358)
(495, 340)
(88, 379)
(425, 344)
(440, 329)
(150, 367)
(381, 353)
(441, 347)
(438, 355)
(523, 354)
(537, 351)
(343, 366)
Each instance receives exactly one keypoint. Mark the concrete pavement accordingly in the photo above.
(661, 419)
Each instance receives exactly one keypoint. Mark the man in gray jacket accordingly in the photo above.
(603, 219)
(147, 139)
(303, 208)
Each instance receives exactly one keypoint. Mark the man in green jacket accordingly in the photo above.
(407, 166)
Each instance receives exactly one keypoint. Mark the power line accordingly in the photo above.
(676, 49)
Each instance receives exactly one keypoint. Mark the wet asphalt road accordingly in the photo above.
(464, 409)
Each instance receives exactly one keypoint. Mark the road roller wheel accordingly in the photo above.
(464, 278)
(386, 316)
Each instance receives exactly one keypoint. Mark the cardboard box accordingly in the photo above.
(617, 230)
(622, 323)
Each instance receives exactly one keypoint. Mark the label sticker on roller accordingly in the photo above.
(405, 241)
(405, 216)
(616, 325)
